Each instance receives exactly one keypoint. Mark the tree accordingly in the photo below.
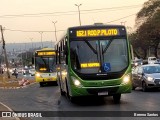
(26, 57)
(148, 33)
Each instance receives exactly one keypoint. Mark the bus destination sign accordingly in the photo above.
(46, 53)
(97, 32)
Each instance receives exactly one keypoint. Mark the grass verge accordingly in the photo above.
(11, 82)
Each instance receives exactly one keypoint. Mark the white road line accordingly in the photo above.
(9, 110)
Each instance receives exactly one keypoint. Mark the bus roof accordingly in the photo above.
(97, 26)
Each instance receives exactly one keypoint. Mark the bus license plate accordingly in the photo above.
(103, 93)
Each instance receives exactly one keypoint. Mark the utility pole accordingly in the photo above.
(26, 54)
(5, 54)
(79, 13)
(55, 29)
(21, 56)
(41, 38)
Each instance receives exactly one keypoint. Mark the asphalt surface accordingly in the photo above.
(5, 108)
(48, 98)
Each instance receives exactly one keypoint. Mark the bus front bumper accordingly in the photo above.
(101, 91)
(46, 79)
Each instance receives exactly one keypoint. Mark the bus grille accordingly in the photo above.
(95, 91)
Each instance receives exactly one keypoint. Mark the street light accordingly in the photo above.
(54, 22)
(79, 13)
(41, 38)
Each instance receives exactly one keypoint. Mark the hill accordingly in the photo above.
(27, 46)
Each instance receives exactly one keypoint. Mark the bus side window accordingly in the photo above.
(66, 54)
(56, 48)
(59, 55)
(62, 57)
(62, 54)
(66, 50)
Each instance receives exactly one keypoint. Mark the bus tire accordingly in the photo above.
(67, 91)
(71, 98)
(144, 87)
(56, 83)
(41, 84)
(117, 98)
(61, 91)
(133, 87)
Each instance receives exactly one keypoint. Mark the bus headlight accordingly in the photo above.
(38, 75)
(126, 79)
(76, 82)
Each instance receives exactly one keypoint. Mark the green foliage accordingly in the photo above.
(26, 57)
(148, 34)
(149, 8)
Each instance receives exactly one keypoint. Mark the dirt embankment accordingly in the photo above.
(13, 81)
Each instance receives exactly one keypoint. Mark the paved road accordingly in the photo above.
(35, 98)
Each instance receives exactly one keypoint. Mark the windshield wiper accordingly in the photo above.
(51, 67)
(105, 49)
(44, 62)
(90, 46)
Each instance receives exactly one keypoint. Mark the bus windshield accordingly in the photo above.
(99, 55)
(45, 64)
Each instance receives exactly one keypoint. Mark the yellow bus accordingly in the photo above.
(45, 66)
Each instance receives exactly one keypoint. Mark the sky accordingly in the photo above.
(33, 20)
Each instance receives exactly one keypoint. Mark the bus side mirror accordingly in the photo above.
(32, 60)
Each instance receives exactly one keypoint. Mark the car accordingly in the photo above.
(146, 76)
(152, 60)
(25, 71)
(137, 62)
(32, 72)
(19, 70)
(11, 70)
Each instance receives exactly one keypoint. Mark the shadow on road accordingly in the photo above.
(148, 90)
(89, 101)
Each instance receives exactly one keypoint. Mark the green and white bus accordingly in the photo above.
(45, 66)
(94, 60)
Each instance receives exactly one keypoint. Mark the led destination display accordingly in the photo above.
(97, 32)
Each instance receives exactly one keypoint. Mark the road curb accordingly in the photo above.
(16, 118)
(17, 87)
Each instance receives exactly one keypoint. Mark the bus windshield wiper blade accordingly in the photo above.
(105, 49)
(90, 46)
(44, 62)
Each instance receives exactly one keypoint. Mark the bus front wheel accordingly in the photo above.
(61, 91)
(117, 98)
(71, 98)
(41, 84)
